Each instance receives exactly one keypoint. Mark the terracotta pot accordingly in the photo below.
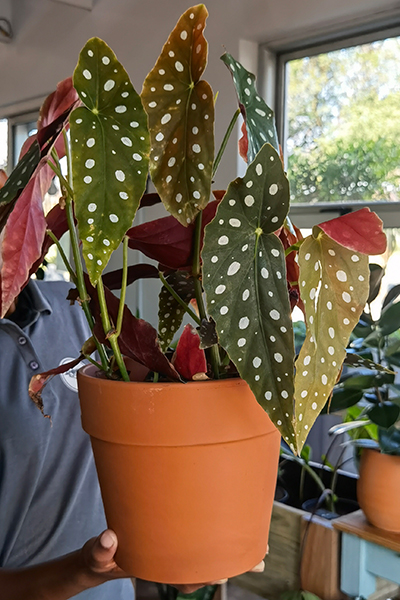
(378, 489)
(187, 474)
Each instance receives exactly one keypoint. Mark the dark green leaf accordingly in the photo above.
(376, 272)
(389, 441)
(390, 319)
(392, 294)
(259, 118)
(360, 382)
(342, 399)
(110, 147)
(245, 284)
(170, 311)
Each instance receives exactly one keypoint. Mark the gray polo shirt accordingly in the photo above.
(50, 501)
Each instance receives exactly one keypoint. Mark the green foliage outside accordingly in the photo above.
(344, 124)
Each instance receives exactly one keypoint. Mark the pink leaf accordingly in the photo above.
(23, 237)
(189, 359)
(360, 231)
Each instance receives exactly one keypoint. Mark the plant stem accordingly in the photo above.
(108, 330)
(213, 352)
(63, 255)
(225, 141)
(80, 280)
(123, 286)
(189, 311)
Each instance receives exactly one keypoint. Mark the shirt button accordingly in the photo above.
(21, 341)
(33, 365)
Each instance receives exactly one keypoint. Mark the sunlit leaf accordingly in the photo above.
(245, 283)
(180, 107)
(259, 118)
(170, 311)
(360, 231)
(334, 288)
(390, 319)
(110, 147)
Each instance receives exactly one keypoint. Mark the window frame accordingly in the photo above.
(304, 214)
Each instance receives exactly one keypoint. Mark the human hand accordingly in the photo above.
(98, 554)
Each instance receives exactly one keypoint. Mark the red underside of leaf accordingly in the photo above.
(243, 143)
(166, 240)
(138, 339)
(23, 237)
(188, 358)
(360, 231)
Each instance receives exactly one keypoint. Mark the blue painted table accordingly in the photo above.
(366, 553)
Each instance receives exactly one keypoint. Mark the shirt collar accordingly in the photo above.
(40, 303)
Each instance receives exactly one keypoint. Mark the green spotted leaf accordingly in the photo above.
(259, 118)
(354, 360)
(110, 148)
(334, 287)
(180, 108)
(245, 284)
(170, 311)
(17, 181)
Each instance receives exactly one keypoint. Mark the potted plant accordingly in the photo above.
(201, 457)
(371, 399)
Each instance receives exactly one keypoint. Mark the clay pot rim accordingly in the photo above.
(93, 372)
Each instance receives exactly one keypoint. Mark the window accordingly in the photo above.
(13, 133)
(339, 118)
(338, 114)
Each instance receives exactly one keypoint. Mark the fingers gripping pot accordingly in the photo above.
(187, 474)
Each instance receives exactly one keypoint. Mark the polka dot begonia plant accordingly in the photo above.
(235, 264)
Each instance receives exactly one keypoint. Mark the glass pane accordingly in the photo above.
(343, 124)
(3, 143)
(20, 132)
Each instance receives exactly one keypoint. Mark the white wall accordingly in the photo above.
(49, 36)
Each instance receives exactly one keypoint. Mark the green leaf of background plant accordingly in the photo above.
(110, 147)
(390, 319)
(384, 414)
(389, 441)
(180, 108)
(376, 273)
(334, 288)
(259, 118)
(342, 399)
(245, 284)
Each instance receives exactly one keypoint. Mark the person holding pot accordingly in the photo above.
(50, 501)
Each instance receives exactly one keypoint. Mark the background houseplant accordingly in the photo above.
(249, 266)
(372, 402)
